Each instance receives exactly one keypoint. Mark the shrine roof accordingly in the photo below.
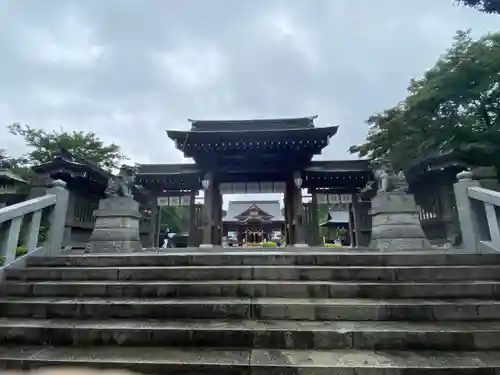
(253, 125)
(6, 174)
(434, 160)
(242, 131)
(66, 159)
(168, 169)
(329, 166)
(238, 208)
(226, 134)
(336, 217)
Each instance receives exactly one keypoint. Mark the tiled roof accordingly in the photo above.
(236, 208)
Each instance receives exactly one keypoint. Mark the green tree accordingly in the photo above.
(488, 6)
(454, 107)
(175, 218)
(87, 145)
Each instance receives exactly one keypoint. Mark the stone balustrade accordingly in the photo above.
(12, 217)
(479, 213)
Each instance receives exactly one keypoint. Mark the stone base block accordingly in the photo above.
(116, 228)
(395, 223)
(300, 245)
(400, 244)
(206, 246)
(115, 246)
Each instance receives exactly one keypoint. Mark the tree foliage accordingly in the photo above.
(174, 218)
(488, 6)
(454, 107)
(87, 145)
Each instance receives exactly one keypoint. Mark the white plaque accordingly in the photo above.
(279, 187)
(266, 187)
(346, 198)
(162, 201)
(226, 188)
(174, 201)
(252, 188)
(185, 200)
(322, 198)
(333, 198)
(239, 188)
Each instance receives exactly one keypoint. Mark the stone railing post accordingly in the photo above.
(467, 212)
(57, 218)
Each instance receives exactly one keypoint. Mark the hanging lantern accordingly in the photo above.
(297, 179)
(205, 182)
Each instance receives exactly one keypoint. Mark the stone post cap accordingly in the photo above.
(465, 176)
(58, 184)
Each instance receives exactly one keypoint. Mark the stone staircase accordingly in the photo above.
(275, 312)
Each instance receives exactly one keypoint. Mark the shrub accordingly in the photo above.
(20, 251)
(333, 245)
(269, 244)
(42, 234)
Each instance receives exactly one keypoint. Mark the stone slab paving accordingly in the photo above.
(261, 272)
(278, 312)
(257, 361)
(342, 309)
(306, 257)
(258, 334)
(256, 288)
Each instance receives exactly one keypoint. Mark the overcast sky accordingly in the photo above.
(129, 69)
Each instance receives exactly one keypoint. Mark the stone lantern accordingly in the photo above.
(10, 183)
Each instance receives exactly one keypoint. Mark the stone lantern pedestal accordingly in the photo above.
(396, 224)
(116, 228)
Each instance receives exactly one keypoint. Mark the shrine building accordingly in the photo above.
(253, 156)
(253, 222)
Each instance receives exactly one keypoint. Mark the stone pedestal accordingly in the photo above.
(395, 223)
(116, 228)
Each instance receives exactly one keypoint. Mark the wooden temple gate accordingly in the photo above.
(257, 157)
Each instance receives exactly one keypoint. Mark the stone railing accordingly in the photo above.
(12, 220)
(479, 214)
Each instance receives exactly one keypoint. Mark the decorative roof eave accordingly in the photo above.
(190, 136)
(327, 130)
(255, 124)
(6, 174)
(336, 218)
(438, 161)
(233, 221)
(253, 207)
(168, 186)
(339, 166)
(264, 120)
(73, 163)
(168, 169)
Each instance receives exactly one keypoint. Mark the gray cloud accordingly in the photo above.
(129, 69)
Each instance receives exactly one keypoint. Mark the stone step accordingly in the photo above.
(254, 334)
(253, 308)
(281, 257)
(160, 360)
(254, 288)
(315, 273)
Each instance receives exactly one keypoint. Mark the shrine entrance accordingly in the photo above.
(253, 222)
(252, 237)
(242, 156)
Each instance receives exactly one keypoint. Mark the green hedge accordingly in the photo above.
(269, 244)
(20, 251)
(333, 245)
